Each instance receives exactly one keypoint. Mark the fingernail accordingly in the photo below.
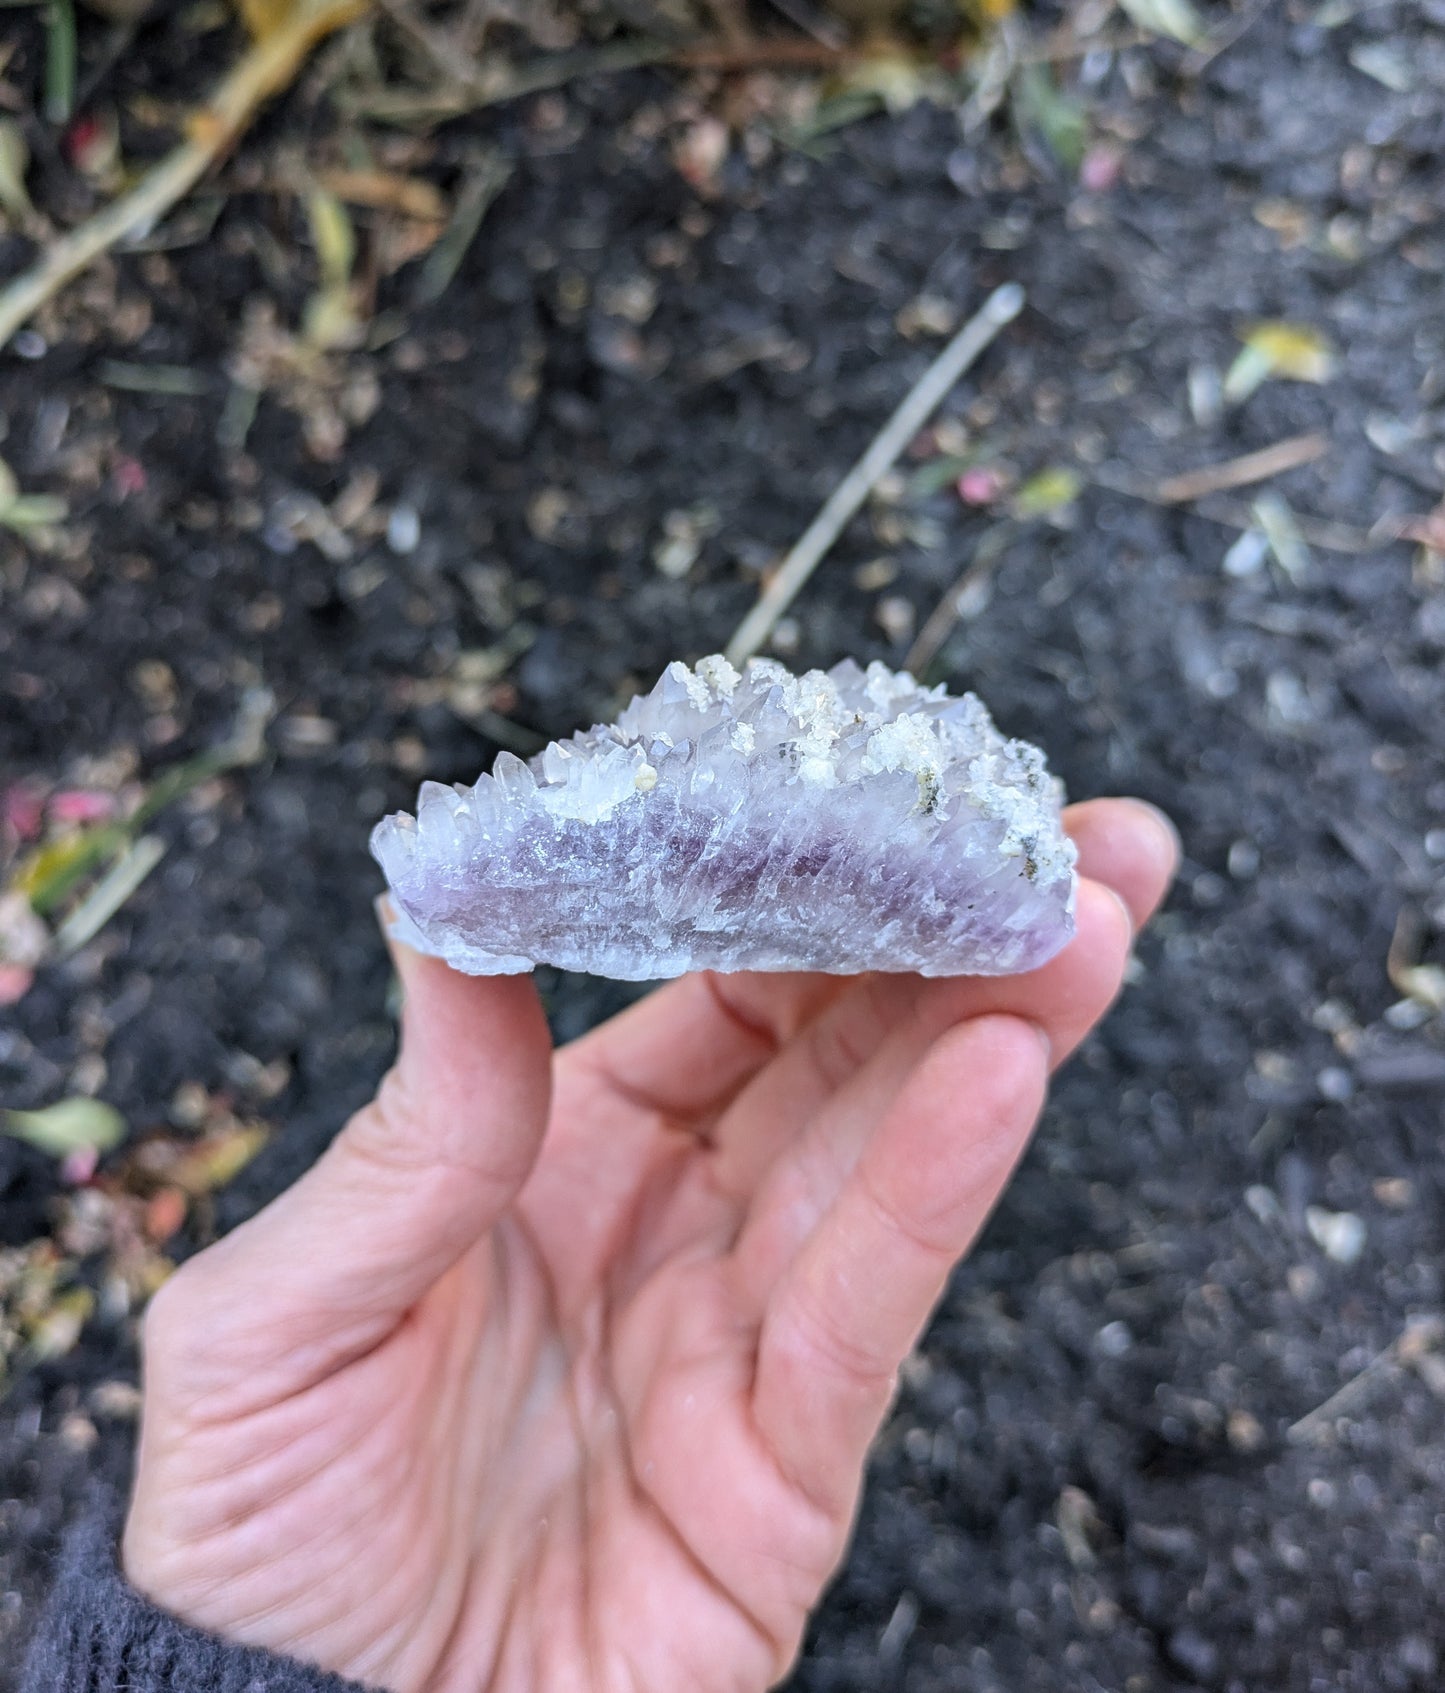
(404, 959)
(1168, 845)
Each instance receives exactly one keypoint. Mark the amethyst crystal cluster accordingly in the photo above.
(844, 820)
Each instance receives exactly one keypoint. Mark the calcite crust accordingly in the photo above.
(843, 821)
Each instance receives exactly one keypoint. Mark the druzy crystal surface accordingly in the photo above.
(844, 820)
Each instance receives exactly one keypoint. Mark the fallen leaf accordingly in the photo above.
(219, 1158)
(67, 1126)
(46, 875)
(1048, 493)
(1290, 350)
(1176, 19)
(56, 1330)
(1060, 120)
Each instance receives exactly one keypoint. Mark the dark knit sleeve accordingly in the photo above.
(99, 1636)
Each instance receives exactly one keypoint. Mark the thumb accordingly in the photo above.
(414, 1179)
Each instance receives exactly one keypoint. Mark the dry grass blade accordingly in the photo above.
(952, 607)
(266, 67)
(1420, 1335)
(1241, 472)
(72, 1125)
(489, 175)
(498, 81)
(108, 895)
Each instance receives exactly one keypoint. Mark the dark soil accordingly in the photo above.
(1088, 1482)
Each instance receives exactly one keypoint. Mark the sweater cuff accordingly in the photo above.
(99, 1636)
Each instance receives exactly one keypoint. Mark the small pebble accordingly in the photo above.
(1245, 1431)
(1262, 1202)
(1340, 1235)
(1335, 1083)
(1246, 555)
(1407, 1014)
(403, 529)
(895, 617)
(1115, 1340)
(115, 1399)
(78, 1432)
(1418, 1656)
(1205, 405)
(1332, 1015)
(1243, 860)
(786, 635)
(1398, 1192)
(1192, 1653)
(1207, 888)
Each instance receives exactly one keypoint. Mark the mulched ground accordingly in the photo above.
(1090, 1480)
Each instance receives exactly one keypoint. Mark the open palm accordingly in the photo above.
(559, 1373)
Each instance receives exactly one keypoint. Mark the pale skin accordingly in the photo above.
(557, 1372)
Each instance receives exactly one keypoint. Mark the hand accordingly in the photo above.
(561, 1374)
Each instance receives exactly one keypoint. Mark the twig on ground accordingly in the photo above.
(1319, 532)
(940, 622)
(497, 81)
(266, 67)
(1062, 45)
(1418, 1337)
(765, 53)
(917, 406)
(1241, 472)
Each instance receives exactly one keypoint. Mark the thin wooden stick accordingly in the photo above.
(1241, 472)
(917, 406)
(949, 609)
(266, 67)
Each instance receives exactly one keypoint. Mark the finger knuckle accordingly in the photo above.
(180, 1316)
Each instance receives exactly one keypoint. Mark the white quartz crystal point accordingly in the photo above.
(843, 820)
